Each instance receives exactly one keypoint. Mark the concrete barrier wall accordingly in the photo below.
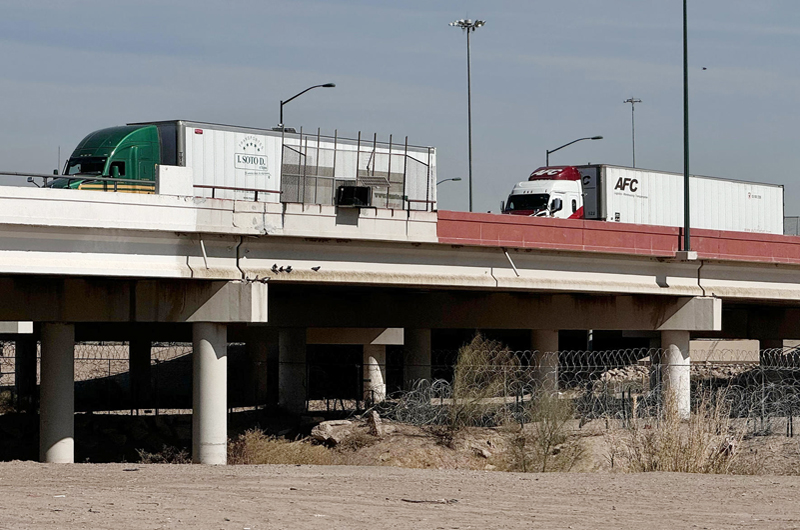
(598, 236)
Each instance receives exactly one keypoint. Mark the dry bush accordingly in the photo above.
(167, 455)
(358, 439)
(481, 373)
(7, 402)
(545, 444)
(705, 443)
(256, 447)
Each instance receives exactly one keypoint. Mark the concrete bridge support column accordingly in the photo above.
(292, 378)
(544, 345)
(25, 374)
(57, 401)
(209, 393)
(374, 373)
(675, 372)
(261, 344)
(417, 362)
(139, 352)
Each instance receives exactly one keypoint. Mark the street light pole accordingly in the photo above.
(633, 102)
(547, 157)
(454, 179)
(469, 26)
(686, 237)
(326, 85)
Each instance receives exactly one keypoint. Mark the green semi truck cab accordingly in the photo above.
(130, 152)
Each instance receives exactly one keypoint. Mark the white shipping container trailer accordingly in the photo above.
(231, 162)
(628, 195)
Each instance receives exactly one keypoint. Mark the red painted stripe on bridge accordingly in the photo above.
(494, 230)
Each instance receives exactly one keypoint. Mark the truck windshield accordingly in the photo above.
(85, 166)
(533, 202)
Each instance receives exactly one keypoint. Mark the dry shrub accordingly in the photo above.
(545, 443)
(705, 443)
(256, 447)
(481, 373)
(444, 435)
(167, 455)
(358, 439)
(7, 402)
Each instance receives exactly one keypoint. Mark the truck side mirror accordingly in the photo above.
(115, 172)
(556, 205)
(502, 206)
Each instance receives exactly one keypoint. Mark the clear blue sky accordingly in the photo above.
(544, 73)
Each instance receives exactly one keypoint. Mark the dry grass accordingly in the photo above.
(478, 377)
(359, 439)
(255, 447)
(546, 443)
(167, 455)
(7, 402)
(708, 442)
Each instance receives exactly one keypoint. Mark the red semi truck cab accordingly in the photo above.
(549, 192)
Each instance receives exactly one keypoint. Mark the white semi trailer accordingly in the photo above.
(639, 196)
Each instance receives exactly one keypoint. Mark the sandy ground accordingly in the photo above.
(139, 496)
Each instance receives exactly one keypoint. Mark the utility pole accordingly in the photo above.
(633, 102)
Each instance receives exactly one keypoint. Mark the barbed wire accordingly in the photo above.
(761, 387)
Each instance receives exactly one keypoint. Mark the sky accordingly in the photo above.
(543, 74)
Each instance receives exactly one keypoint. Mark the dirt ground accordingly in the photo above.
(139, 496)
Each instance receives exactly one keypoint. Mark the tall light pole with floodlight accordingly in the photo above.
(469, 26)
(547, 159)
(326, 85)
(633, 102)
(687, 246)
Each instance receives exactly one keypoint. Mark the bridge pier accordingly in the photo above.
(139, 354)
(544, 345)
(57, 401)
(261, 345)
(25, 374)
(209, 393)
(676, 371)
(374, 373)
(417, 363)
(292, 378)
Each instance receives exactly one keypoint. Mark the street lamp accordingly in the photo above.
(469, 26)
(454, 179)
(633, 102)
(686, 239)
(326, 85)
(572, 142)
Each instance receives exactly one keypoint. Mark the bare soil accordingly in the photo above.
(139, 496)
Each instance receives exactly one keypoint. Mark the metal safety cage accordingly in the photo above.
(400, 176)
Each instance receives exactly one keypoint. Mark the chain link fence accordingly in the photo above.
(104, 384)
(761, 388)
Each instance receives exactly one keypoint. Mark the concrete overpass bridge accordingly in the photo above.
(279, 276)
